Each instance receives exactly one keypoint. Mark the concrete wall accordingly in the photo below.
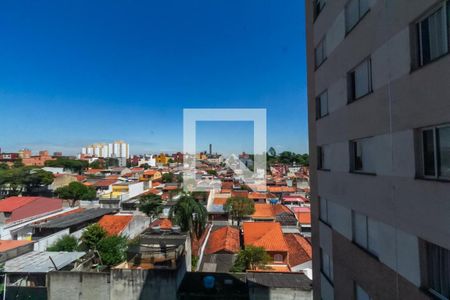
(43, 243)
(78, 286)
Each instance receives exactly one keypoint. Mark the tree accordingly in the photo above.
(18, 164)
(212, 172)
(65, 243)
(112, 249)
(76, 191)
(151, 205)
(74, 165)
(20, 180)
(97, 164)
(272, 152)
(4, 166)
(167, 177)
(251, 258)
(239, 207)
(92, 236)
(190, 215)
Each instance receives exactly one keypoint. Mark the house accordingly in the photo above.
(162, 159)
(221, 250)
(38, 160)
(126, 225)
(16, 209)
(303, 215)
(274, 213)
(75, 222)
(151, 175)
(13, 248)
(300, 252)
(269, 236)
(30, 270)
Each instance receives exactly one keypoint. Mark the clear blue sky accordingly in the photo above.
(77, 72)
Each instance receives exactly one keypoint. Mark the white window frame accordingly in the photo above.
(430, 289)
(353, 145)
(445, 20)
(368, 247)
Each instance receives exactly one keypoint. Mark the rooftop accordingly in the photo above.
(280, 280)
(76, 218)
(264, 234)
(39, 262)
(6, 245)
(225, 239)
(114, 224)
(300, 250)
(12, 203)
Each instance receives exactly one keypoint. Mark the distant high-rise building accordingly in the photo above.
(118, 149)
(379, 136)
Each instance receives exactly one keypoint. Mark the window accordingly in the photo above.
(433, 34)
(320, 53)
(322, 105)
(323, 156)
(323, 209)
(360, 293)
(362, 156)
(318, 7)
(360, 81)
(364, 231)
(355, 10)
(436, 152)
(278, 258)
(326, 265)
(438, 270)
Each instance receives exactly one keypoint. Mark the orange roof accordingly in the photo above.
(114, 224)
(304, 217)
(225, 239)
(300, 250)
(105, 182)
(273, 268)
(263, 210)
(12, 203)
(239, 193)
(6, 245)
(80, 177)
(170, 188)
(227, 185)
(163, 223)
(87, 183)
(264, 234)
(225, 191)
(112, 177)
(257, 195)
(281, 189)
(136, 169)
(150, 172)
(220, 201)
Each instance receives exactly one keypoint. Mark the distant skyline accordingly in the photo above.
(76, 73)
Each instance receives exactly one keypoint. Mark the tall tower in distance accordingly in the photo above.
(210, 149)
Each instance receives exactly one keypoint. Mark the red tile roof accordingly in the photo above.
(281, 189)
(93, 171)
(6, 245)
(269, 211)
(220, 201)
(265, 234)
(114, 224)
(163, 223)
(105, 182)
(300, 250)
(225, 239)
(12, 203)
(304, 217)
(240, 193)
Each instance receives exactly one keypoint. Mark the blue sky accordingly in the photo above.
(78, 72)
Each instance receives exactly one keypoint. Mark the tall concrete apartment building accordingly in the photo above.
(379, 124)
(118, 149)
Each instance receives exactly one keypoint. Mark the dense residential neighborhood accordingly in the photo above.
(95, 217)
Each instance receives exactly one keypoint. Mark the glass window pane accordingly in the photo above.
(358, 156)
(437, 31)
(351, 14)
(438, 269)
(372, 232)
(324, 104)
(323, 209)
(362, 79)
(444, 151)
(425, 41)
(326, 151)
(363, 7)
(428, 152)
(360, 229)
(361, 294)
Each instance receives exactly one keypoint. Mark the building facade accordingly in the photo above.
(118, 149)
(379, 136)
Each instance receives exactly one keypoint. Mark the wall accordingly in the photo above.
(78, 286)
(43, 243)
(264, 293)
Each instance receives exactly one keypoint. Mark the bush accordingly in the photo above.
(65, 243)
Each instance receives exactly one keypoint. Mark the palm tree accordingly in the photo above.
(151, 205)
(190, 215)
